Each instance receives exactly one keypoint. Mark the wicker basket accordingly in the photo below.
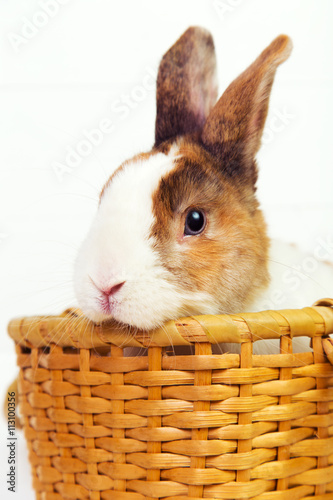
(103, 426)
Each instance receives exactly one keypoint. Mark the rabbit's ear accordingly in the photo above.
(233, 130)
(186, 85)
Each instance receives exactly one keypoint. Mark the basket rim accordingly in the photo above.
(73, 329)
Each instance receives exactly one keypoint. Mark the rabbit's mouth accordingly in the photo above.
(105, 306)
(108, 306)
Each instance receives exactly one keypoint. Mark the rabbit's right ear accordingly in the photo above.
(186, 85)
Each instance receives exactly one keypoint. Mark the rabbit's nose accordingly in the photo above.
(113, 289)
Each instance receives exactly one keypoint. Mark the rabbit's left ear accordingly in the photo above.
(186, 85)
(233, 130)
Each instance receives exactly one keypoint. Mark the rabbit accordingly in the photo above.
(179, 230)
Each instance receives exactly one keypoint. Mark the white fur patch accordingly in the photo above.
(298, 279)
(118, 249)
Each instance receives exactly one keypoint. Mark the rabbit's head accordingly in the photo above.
(178, 230)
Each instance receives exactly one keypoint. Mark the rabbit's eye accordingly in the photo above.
(195, 222)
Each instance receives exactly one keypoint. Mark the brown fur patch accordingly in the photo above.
(229, 258)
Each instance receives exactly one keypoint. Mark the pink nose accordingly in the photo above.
(113, 289)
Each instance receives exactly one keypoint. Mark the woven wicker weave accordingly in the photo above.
(103, 426)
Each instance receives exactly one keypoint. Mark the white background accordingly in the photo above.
(71, 73)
